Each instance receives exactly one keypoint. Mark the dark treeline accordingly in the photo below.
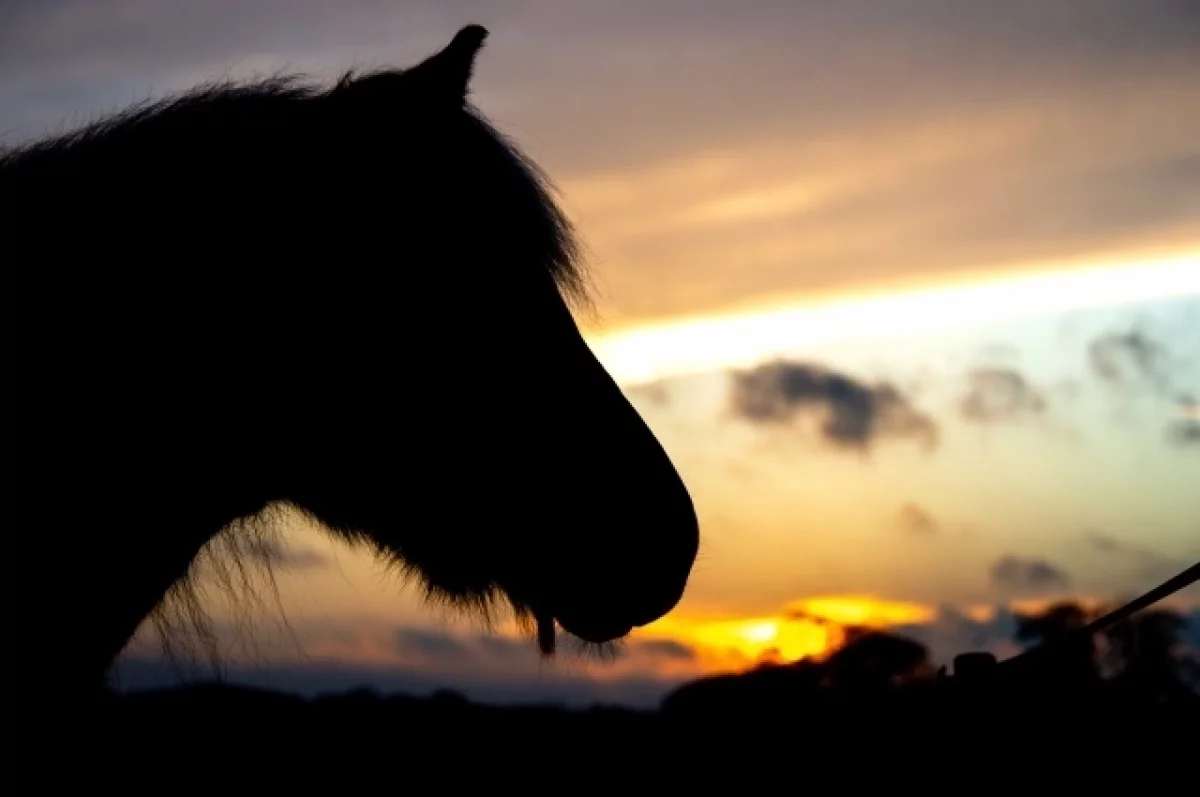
(1141, 663)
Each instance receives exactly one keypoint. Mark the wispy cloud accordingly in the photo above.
(1130, 359)
(917, 520)
(1022, 574)
(1150, 564)
(999, 394)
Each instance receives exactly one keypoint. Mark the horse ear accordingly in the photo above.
(449, 72)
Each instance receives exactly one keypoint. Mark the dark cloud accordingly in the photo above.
(953, 632)
(1185, 433)
(917, 520)
(855, 414)
(277, 554)
(1128, 359)
(1012, 572)
(498, 647)
(667, 649)
(491, 652)
(1132, 361)
(435, 643)
(999, 394)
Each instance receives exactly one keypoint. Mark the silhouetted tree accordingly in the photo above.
(767, 692)
(868, 664)
(1073, 662)
(874, 660)
(1052, 623)
(1149, 657)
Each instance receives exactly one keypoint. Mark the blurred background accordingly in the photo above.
(910, 292)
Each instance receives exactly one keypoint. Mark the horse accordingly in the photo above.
(354, 300)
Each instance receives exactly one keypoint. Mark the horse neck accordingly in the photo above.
(112, 486)
(80, 602)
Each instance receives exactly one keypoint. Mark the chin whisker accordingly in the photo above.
(604, 652)
(546, 634)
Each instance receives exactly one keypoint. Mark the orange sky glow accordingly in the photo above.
(808, 628)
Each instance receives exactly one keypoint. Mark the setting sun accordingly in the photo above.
(760, 632)
(809, 628)
(732, 642)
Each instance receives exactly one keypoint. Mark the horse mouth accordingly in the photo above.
(596, 630)
(594, 633)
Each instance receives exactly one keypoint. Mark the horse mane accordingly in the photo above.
(185, 115)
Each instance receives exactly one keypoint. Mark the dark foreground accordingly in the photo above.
(1130, 708)
(765, 726)
(728, 716)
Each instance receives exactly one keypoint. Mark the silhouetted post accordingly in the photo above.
(975, 666)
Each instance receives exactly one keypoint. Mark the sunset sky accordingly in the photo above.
(980, 219)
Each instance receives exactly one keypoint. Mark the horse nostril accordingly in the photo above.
(631, 560)
(660, 588)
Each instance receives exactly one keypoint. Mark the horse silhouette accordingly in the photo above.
(352, 299)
